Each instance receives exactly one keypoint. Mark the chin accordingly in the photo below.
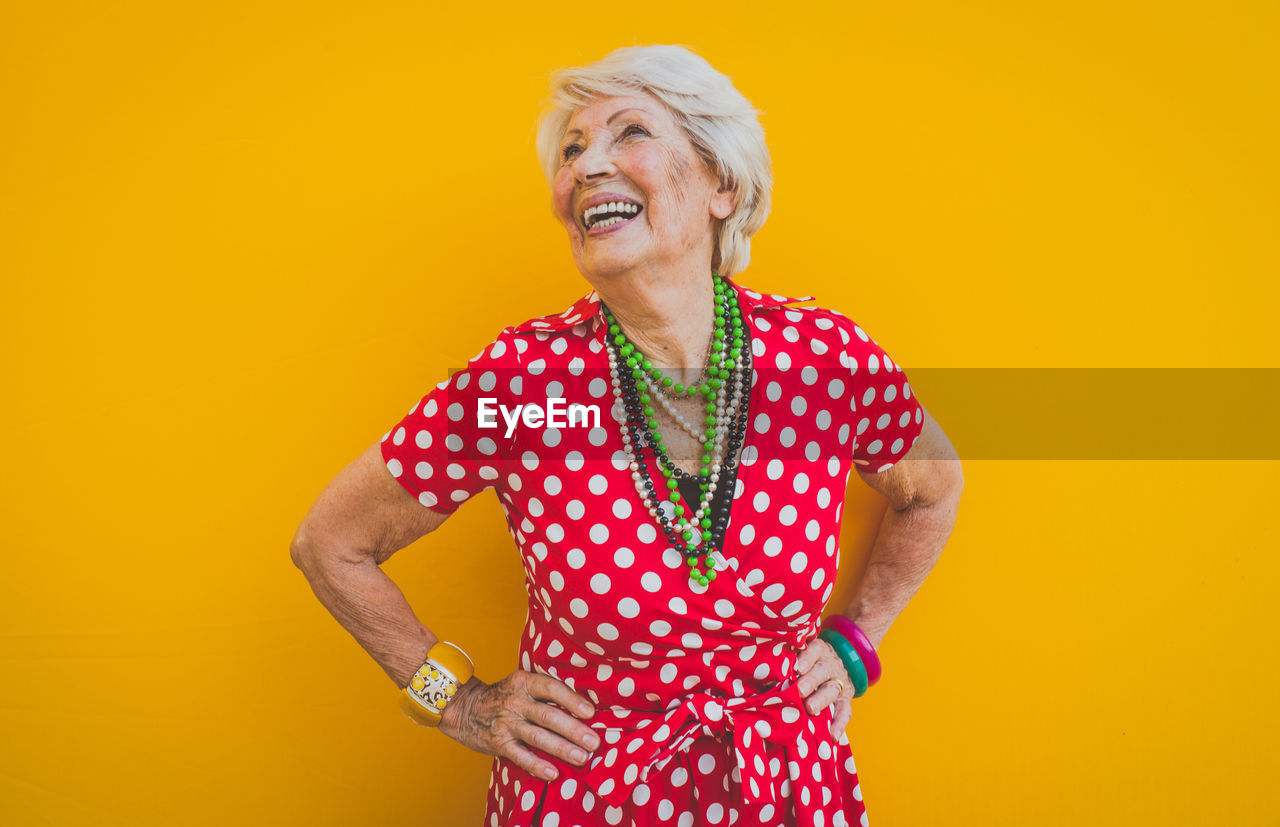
(607, 265)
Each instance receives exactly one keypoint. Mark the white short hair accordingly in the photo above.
(722, 125)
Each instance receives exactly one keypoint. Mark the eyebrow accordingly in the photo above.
(611, 119)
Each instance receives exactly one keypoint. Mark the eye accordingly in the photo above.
(634, 129)
(570, 151)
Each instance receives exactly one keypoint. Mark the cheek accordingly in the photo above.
(674, 175)
(562, 196)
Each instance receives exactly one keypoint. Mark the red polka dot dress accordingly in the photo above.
(697, 709)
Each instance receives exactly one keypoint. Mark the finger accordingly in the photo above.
(547, 688)
(822, 697)
(809, 655)
(560, 722)
(818, 673)
(549, 743)
(527, 761)
(842, 714)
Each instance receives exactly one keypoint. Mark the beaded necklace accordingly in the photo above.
(725, 385)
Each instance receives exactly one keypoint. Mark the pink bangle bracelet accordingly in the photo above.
(860, 643)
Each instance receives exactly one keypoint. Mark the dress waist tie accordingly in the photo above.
(651, 739)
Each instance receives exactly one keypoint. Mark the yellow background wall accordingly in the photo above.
(239, 239)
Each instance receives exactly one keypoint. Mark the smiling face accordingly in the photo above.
(632, 192)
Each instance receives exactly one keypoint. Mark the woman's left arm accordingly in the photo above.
(923, 490)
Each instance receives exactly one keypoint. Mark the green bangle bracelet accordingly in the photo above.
(849, 657)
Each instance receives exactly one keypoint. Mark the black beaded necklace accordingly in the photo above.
(698, 535)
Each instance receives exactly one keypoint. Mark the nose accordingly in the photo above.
(593, 163)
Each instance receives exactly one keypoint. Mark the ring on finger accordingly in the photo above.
(840, 684)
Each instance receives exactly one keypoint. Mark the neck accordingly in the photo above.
(667, 315)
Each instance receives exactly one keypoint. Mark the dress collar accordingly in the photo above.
(587, 310)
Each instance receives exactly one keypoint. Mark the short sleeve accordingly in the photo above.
(442, 451)
(887, 419)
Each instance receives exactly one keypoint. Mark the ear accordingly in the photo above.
(724, 201)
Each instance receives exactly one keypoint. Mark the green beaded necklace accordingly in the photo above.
(630, 366)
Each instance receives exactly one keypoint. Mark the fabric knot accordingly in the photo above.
(654, 738)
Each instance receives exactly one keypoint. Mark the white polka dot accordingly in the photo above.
(607, 631)
(760, 502)
(773, 546)
(623, 558)
(394, 466)
(628, 607)
(599, 534)
(651, 582)
(622, 509)
(772, 593)
(576, 558)
(552, 485)
(600, 583)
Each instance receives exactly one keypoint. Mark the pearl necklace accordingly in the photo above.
(635, 382)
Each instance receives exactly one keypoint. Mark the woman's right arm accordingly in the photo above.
(362, 518)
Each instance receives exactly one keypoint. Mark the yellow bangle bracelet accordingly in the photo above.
(435, 683)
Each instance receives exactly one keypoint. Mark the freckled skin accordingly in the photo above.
(656, 166)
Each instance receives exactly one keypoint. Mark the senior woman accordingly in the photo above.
(680, 547)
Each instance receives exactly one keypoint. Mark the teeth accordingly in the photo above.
(610, 207)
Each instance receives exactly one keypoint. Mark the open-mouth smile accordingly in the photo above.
(608, 215)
